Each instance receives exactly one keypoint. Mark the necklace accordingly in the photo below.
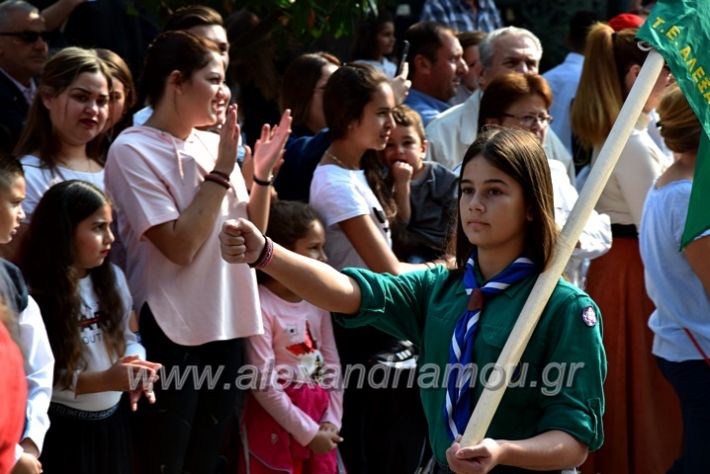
(330, 155)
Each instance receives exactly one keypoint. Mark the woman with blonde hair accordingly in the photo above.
(643, 431)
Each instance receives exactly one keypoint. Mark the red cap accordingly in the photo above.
(625, 20)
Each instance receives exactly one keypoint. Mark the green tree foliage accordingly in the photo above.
(293, 21)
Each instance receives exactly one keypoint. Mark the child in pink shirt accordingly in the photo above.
(293, 418)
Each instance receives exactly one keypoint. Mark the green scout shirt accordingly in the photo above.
(548, 392)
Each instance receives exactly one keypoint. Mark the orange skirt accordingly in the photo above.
(642, 421)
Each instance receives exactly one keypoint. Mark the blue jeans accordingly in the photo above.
(691, 382)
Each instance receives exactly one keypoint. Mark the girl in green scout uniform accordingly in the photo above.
(550, 416)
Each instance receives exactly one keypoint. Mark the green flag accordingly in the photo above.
(680, 31)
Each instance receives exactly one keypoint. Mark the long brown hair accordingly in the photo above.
(46, 260)
(122, 73)
(348, 91)
(518, 154)
(58, 74)
(607, 59)
(299, 84)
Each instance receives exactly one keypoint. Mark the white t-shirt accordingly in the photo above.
(39, 179)
(339, 194)
(152, 177)
(93, 349)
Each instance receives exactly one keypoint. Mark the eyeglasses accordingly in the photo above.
(29, 37)
(529, 120)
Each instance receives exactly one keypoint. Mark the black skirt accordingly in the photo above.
(84, 442)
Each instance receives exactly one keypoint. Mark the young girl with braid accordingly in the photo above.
(504, 238)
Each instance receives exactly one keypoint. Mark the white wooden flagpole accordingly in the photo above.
(601, 171)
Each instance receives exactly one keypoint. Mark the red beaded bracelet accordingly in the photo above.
(266, 255)
(220, 174)
(217, 179)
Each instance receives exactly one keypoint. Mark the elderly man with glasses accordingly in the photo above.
(23, 54)
(508, 49)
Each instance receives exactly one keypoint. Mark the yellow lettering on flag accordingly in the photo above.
(698, 74)
(685, 52)
(673, 32)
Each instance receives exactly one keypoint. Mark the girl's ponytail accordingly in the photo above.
(599, 94)
(602, 87)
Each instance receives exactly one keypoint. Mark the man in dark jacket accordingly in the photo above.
(23, 54)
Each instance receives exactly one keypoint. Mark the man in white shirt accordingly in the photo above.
(563, 79)
(508, 49)
(23, 54)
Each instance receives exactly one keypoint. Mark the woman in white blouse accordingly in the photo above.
(643, 432)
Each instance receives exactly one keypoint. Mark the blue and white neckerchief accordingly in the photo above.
(457, 409)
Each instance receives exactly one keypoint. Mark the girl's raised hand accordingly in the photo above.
(478, 459)
(269, 148)
(248, 167)
(240, 241)
(228, 142)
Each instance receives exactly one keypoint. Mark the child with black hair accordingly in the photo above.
(374, 42)
(86, 307)
(26, 322)
(304, 409)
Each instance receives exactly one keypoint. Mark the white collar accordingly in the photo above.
(28, 92)
(469, 118)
